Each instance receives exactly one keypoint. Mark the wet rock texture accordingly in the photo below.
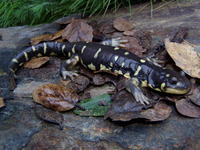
(21, 129)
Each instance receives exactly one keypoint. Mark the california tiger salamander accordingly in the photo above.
(98, 57)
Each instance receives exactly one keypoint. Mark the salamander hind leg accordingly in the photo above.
(135, 89)
(66, 68)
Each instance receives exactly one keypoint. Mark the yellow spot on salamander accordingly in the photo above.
(69, 54)
(21, 64)
(91, 66)
(39, 54)
(157, 89)
(137, 71)
(162, 86)
(116, 48)
(26, 56)
(111, 64)
(150, 86)
(127, 75)
(118, 72)
(52, 54)
(73, 48)
(144, 83)
(142, 60)
(167, 75)
(63, 50)
(15, 60)
(82, 50)
(116, 57)
(33, 48)
(126, 53)
(122, 65)
(97, 53)
(45, 48)
(103, 67)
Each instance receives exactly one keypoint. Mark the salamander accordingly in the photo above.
(97, 57)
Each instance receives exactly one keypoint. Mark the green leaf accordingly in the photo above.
(93, 106)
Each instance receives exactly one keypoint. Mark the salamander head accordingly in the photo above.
(169, 81)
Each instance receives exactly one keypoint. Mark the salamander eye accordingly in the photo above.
(174, 80)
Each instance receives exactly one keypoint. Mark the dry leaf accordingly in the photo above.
(49, 115)
(36, 62)
(2, 104)
(159, 112)
(122, 24)
(41, 38)
(78, 30)
(186, 56)
(55, 97)
(125, 108)
(57, 35)
(186, 108)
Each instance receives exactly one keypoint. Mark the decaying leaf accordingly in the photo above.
(2, 104)
(122, 24)
(36, 62)
(79, 83)
(187, 108)
(49, 115)
(55, 97)
(96, 106)
(195, 96)
(125, 108)
(186, 56)
(78, 30)
(159, 112)
(57, 35)
(41, 38)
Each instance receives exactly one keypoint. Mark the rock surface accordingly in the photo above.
(21, 129)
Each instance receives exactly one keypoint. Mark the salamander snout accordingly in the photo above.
(176, 83)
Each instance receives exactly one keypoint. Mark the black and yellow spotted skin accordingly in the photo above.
(99, 57)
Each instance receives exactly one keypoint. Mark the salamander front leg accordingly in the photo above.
(136, 91)
(66, 67)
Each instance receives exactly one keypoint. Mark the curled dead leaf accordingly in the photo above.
(186, 56)
(55, 97)
(41, 38)
(195, 96)
(36, 62)
(187, 108)
(49, 115)
(125, 108)
(2, 104)
(78, 30)
(122, 24)
(159, 112)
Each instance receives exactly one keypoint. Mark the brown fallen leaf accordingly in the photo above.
(55, 97)
(122, 24)
(187, 108)
(36, 62)
(159, 112)
(78, 30)
(2, 104)
(186, 56)
(79, 83)
(57, 35)
(125, 108)
(49, 115)
(195, 96)
(41, 38)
